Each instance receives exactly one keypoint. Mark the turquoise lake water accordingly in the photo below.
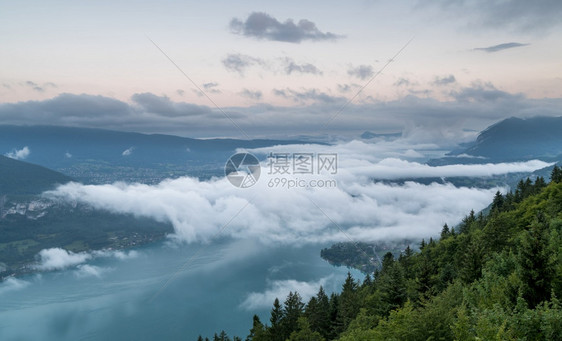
(161, 292)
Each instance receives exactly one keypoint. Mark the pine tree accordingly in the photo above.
(445, 232)
(258, 331)
(540, 183)
(276, 320)
(556, 175)
(349, 305)
(293, 308)
(471, 261)
(317, 312)
(528, 190)
(498, 202)
(312, 312)
(535, 263)
(524, 189)
(518, 195)
(322, 324)
(467, 222)
(424, 275)
(481, 220)
(304, 333)
(406, 261)
(446, 276)
(408, 251)
(508, 203)
(496, 234)
(336, 326)
(223, 336)
(387, 261)
(368, 281)
(392, 286)
(471, 217)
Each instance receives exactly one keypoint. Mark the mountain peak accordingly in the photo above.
(519, 139)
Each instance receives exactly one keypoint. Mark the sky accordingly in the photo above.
(280, 69)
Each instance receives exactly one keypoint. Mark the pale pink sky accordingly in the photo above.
(102, 48)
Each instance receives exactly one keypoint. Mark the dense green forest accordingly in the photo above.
(493, 277)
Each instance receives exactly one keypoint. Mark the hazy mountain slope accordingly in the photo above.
(512, 139)
(516, 138)
(519, 139)
(96, 155)
(30, 223)
(50, 145)
(21, 178)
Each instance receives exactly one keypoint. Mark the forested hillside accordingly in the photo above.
(493, 277)
(22, 178)
(30, 223)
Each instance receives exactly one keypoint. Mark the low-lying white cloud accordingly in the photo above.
(87, 270)
(19, 154)
(57, 259)
(355, 207)
(128, 151)
(468, 156)
(391, 169)
(399, 159)
(121, 255)
(280, 289)
(11, 284)
(125, 255)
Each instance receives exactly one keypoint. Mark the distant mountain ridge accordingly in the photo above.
(519, 139)
(513, 139)
(370, 135)
(98, 155)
